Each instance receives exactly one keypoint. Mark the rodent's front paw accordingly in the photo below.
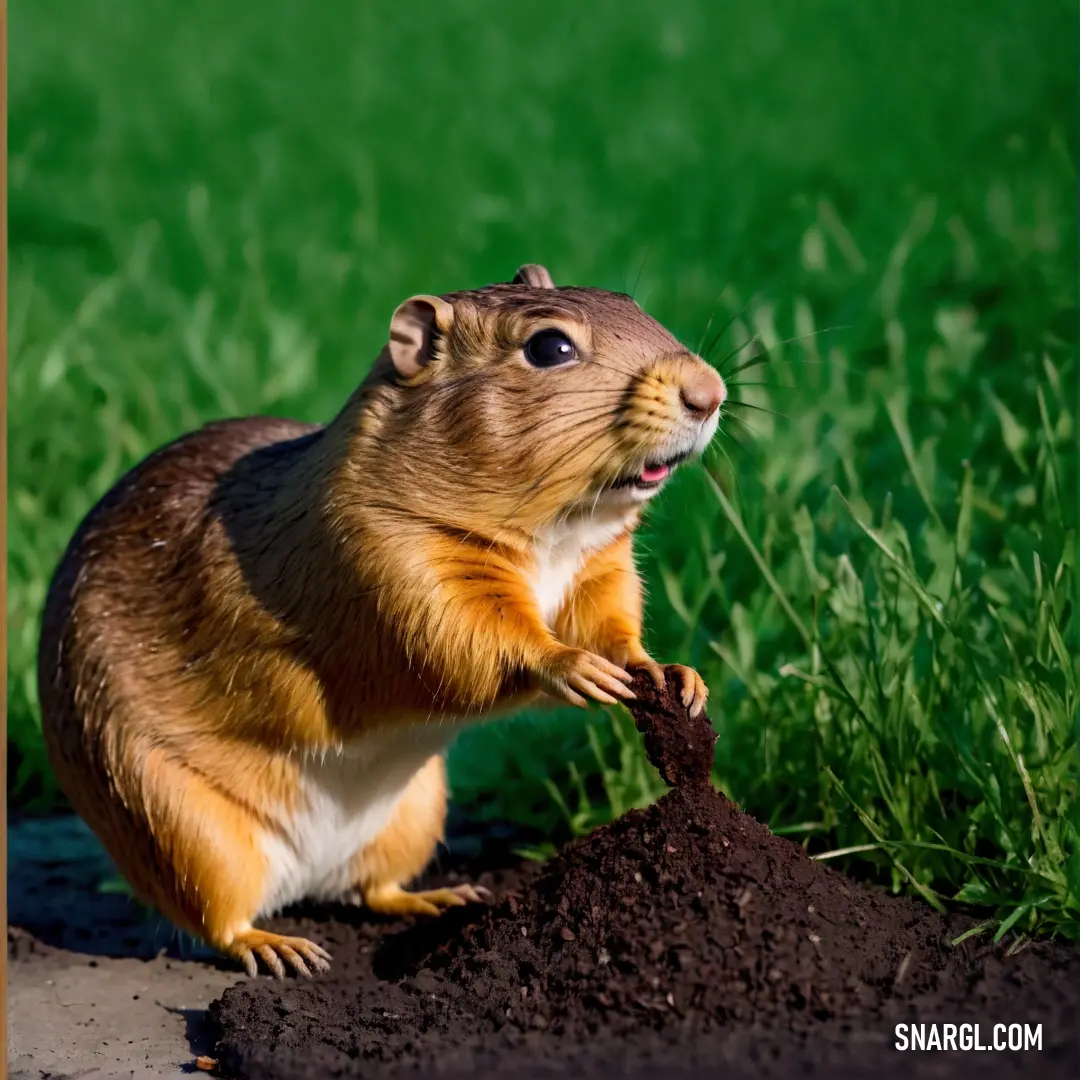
(693, 691)
(576, 675)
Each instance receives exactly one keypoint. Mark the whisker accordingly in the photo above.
(554, 390)
(767, 358)
(756, 408)
(705, 334)
(718, 447)
(626, 372)
(541, 422)
(707, 354)
(641, 270)
(708, 327)
(733, 469)
(767, 385)
(767, 352)
(738, 349)
(749, 427)
(487, 374)
(546, 474)
(568, 392)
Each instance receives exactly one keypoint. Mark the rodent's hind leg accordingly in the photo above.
(394, 900)
(405, 847)
(275, 951)
(206, 872)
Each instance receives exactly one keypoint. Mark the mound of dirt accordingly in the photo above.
(684, 939)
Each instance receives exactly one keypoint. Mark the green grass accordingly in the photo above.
(214, 211)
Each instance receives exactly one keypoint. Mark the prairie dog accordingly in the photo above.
(260, 642)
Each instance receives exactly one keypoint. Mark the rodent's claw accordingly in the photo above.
(656, 671)
(694, 691)
(394, 900)
(276, 950)
(273, 961)
(474, 894)
(583, 675)
(294, 958)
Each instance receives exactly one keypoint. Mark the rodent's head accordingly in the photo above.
(513, 405)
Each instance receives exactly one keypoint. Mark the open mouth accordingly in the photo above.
(652, 475)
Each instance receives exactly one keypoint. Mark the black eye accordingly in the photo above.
(549, 348)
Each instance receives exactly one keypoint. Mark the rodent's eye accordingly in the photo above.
(549, 348)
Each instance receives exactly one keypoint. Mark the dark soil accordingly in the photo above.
(682, 940)
(681, 751)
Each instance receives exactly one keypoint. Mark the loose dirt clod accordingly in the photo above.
(680, 746)
(684, 939)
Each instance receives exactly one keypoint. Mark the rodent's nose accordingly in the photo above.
(703, 392)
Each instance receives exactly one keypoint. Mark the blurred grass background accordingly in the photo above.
(214, 210)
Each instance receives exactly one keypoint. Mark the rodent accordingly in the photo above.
(260, 642)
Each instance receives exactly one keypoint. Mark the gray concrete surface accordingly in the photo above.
(96, 989)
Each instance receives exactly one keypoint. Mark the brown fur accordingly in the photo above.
(261, 590)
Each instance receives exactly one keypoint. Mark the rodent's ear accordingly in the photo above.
(535, 276)
(411, 331)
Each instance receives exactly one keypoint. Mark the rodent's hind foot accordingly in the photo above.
(394, 900)
(276, 950)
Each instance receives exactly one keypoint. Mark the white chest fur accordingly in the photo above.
(346, 799)
(559, 553)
